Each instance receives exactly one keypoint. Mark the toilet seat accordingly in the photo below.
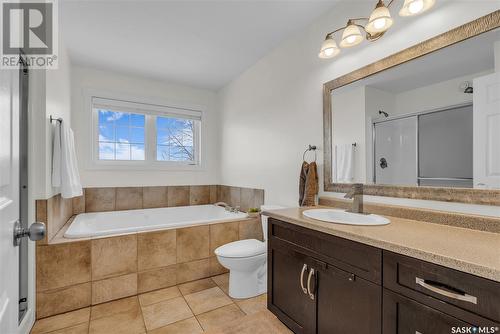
(242, 249)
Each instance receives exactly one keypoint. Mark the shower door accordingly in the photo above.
(395, 151)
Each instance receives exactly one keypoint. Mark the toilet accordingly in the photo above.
(247, 262)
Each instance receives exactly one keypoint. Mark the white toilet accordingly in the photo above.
(247, 262)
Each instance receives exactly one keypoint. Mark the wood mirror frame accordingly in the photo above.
(463, 195)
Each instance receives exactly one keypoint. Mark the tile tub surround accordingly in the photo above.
(474, 222)
(201, 306)
(470, 251)
(74, 273)
(56, 211)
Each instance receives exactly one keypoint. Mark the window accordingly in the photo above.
(148, 134)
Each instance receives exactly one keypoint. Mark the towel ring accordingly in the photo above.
(310, 148)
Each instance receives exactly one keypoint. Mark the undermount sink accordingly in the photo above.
(344, 217)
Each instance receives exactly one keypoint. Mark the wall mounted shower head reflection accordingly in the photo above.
(381, 112)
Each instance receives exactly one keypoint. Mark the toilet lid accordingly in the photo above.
(242, 248)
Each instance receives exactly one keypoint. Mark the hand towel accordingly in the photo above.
(65, 173)
(308, 184)
(343, 163)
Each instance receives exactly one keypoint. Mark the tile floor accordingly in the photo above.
(196, 307)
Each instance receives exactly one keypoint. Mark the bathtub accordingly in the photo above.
(98, 224)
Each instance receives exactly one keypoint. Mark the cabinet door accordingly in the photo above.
(402, 315)
(347, 304)
(286, 298)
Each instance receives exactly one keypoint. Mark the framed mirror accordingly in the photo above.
(422, 123)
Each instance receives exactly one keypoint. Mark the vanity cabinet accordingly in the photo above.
(319, 283)
(327, 292)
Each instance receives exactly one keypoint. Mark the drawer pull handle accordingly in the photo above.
(417, 332)
(311, 293)
(304, 268)
(454, 295)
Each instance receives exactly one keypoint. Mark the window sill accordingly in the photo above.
(144, 166)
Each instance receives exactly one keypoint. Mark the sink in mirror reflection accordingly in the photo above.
(344, 217)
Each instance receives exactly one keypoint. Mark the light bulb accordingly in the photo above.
(350, 39)
(328, 52)
(416, 6)
(329, 48)
(379, 23)
(380, 20)
(351, 36)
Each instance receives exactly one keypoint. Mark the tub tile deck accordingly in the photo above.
(196, 307)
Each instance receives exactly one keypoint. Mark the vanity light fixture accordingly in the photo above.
(378, 23)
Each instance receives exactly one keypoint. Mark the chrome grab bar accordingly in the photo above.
(304, 268)
(311, 274)
(458, 296)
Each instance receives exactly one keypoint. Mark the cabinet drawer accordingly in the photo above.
(402, 315)
(432, 284)
(361, 260)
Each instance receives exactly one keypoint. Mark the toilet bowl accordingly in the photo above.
(247, 263)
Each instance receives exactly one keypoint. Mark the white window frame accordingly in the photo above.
(150, 107)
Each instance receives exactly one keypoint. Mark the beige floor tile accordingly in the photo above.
(220, 317)
(188, 326)
(222, 282)
(166, 312)
(129, 322)
(263, 322)
(192, 287)
(61, 321)
(159, 295)
(114, 307)
(206, 300)
(78, 329)
(253, 305)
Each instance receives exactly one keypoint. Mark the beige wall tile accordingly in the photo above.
(128, 198)
(62, 300)
(223, 194)
(157, 278)
(259, 197)
(220, 317)
(207, 300)
(79, 204)
(165, 313)
(61, 321)
(41, 216)
(99, 199)
(188, 326)
(194, 270)
(159, 295)
(114, 256)
(59, 210)
(247, 199)
(156, 249)
(221, 234)
(199, 195)
(114, 288)
(154, 197)
(62, 265)
(192, 243)
(178, 195)
(235, 196)
(213, 194)
(215, 267)
(250, 229)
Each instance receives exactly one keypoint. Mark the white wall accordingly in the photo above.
(84, 79)
(49, 95)
(274, 109)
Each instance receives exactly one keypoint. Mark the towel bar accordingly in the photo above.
(52, 119)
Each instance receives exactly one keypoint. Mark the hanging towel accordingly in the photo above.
(308, 184)
(64, 165)
(344, 163)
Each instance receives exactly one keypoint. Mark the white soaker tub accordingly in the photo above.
(118, 222)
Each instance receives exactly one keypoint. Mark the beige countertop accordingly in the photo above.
(467, 250)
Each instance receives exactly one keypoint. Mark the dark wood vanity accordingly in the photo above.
(320, 283)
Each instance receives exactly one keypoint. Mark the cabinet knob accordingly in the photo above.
(352, 278)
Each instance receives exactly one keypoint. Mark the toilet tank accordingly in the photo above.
(265, 218)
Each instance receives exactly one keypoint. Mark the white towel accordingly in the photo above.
(64, 165)
(343, 163)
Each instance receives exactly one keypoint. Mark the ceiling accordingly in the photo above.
(202, 44)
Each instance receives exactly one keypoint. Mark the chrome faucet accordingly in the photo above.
(356, 193)
(228, 207)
